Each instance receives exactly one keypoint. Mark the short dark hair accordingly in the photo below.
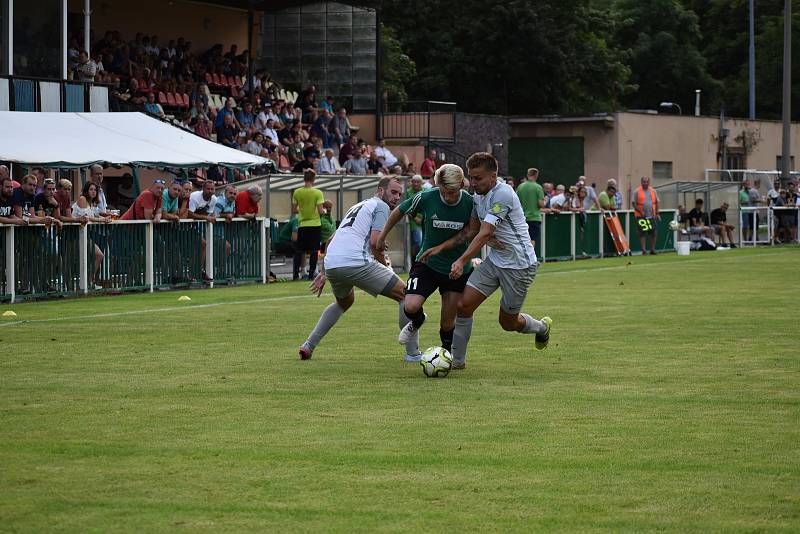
(483, 160)
(309, 175)
(385, 181)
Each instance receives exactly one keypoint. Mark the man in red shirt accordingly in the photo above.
(430, 165)
(247, 202)
(148, 205)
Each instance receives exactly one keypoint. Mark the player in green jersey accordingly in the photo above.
(445, 210)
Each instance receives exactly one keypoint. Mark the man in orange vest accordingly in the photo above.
(645, 209)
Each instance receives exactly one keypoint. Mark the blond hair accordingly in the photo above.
(449, 176)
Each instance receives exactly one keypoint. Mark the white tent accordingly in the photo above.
(81, 139)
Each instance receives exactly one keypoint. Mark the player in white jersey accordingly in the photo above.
(498, 221)
(351, 260)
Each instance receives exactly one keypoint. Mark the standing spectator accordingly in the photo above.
(86, 69)
(415, 222)
(356, 165)
(319, 128)
(96, 176)
(63, 196)
(747, 216)
(7, 215)
(340, 127)
(389, 159)
(328, 225)
(22, 200)
(607, 198)
(170, 201)
(147, 206)
(549, 191)
(45, 206)
(719, 222)
(329, 164)
(307, 204)
(87, 208)
(559, 200)
(225, 208)
(183, 203)
(590, 200)
(531, 196)
(5, 174)
(645, 209)
(430, 165)
(247, 202)
(201, 208)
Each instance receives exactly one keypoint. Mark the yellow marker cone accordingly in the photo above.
(184, 298)
(9, 313)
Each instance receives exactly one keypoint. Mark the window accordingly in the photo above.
(735, 158)
(662, 170)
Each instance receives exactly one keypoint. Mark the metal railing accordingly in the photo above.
(760, 225)
(428, 120)
(38, 261)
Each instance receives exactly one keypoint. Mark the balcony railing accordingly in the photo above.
(425, 120)
(19, 93)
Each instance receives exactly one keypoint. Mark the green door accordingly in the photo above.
(559, 159)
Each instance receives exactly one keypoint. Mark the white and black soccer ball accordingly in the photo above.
(436, 362)
(673, 226)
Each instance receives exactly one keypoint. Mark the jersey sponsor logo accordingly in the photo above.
(448, 225)
(434, 217)
(496, 208)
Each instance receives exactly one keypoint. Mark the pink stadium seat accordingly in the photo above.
(217, 81)
(162, 98)
(185, 99)
(232, 81)
(171, 100)
(209, 79)
(144, 86)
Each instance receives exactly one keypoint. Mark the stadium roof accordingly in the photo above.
(79, 139)
(271, 5)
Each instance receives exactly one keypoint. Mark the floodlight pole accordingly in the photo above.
(752, 62)
(786, 152)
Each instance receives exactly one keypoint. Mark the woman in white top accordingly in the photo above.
(89, 205)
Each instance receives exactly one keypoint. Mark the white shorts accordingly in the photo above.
(374, 278)
(513, 283)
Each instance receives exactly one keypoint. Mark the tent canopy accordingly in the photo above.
(68, 140)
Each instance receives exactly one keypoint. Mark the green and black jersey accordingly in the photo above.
(441, 222)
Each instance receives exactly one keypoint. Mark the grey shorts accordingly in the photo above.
(513, 284)
(374, 278)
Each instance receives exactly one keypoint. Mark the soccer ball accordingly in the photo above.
(436, 362)
(673, 226)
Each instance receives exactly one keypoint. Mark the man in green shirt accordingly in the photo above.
(287, 236)
(445, 210)
(608, 198)
(328, 224)
(415, 223)
(307, 204)
(531, 196)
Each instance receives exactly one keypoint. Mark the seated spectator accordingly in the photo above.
(226, 111)
(558, 200)
(607, 198)
(389, 159)
(339, 128)
(247, 202)
(310, 149)
(228, 133)
(152, 107)
(306, 100)
(225, 208)
(375, 165)
(698, 221)
(327, 105)
(295, 151)
(348, 150)
(255, 146)
(319, 128)
(329, 164)
(356, 165)
(45, 205)
(264, 115)
(310, 162)
(170, 201)
(719, 223)
(147, 206)
(270, 134)
(246, 117)
(7, 215)
(287, 237)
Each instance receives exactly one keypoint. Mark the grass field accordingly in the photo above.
(669, 400)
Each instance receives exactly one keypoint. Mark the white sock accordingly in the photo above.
(532, 326)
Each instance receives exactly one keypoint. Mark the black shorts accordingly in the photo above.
(423, 281)
(646, 225)
(309, 238)
(534, 230)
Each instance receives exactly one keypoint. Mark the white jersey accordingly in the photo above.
(501, 207)
(201, 206)
(350, 244)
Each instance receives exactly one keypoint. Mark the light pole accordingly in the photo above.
(752, 62)
(671, 105)
(786, 157)
(697, 102)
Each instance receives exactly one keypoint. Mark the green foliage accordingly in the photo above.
(668, 403)
(397, 68)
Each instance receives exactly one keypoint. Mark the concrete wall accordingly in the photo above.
(203, 25)
(482, 133)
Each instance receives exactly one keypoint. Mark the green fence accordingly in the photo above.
(127, 256)
(571, 235)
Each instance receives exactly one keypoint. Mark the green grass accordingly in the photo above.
(669, 400)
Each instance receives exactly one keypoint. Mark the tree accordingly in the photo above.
(397, 68)
(663, 41)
